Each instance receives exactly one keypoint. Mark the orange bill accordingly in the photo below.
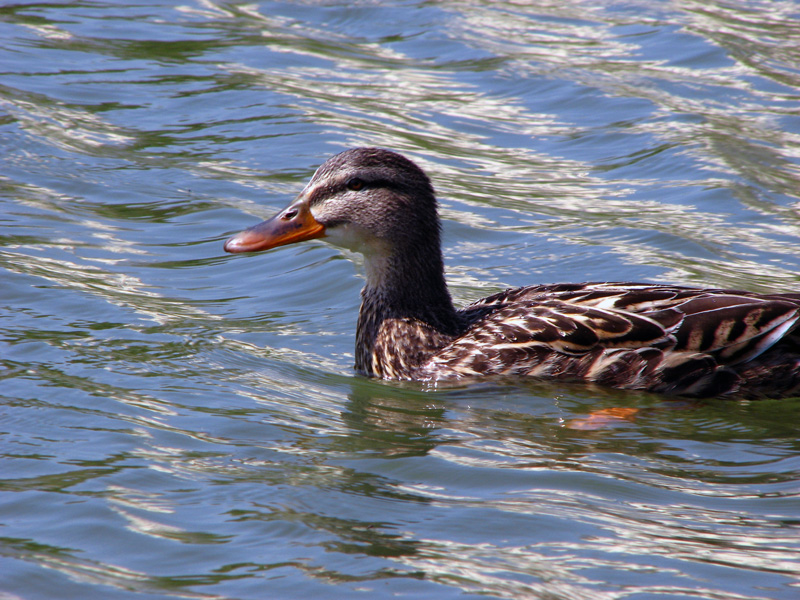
(294, 224)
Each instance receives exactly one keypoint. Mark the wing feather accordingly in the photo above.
(670, 339)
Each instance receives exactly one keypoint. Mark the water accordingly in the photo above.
(180, 423)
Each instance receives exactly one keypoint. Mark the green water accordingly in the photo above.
(180, 423)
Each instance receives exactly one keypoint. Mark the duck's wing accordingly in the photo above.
(643, 336)
(734, 325)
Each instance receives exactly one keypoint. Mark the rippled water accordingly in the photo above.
(176, 422)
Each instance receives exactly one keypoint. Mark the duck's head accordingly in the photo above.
(370, 200)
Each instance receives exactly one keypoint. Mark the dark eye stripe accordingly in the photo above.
(319, 194)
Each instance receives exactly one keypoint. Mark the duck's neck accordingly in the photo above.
(406, 311)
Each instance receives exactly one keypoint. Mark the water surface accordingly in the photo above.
(176, 422)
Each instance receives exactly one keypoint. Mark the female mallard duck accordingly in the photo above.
(661, 338)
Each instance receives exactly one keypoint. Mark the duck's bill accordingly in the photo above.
(295, 224)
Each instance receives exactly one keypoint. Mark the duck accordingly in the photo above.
(660, 338)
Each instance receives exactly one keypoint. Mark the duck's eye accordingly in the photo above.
(355, 184)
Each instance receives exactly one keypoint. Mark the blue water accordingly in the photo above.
(180, 423)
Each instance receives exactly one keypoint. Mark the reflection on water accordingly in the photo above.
(543, 515)
(179, 423)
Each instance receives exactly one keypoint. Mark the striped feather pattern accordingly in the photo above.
(666, 339)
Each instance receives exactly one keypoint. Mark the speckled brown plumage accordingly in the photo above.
(666, 339)
(661, 338)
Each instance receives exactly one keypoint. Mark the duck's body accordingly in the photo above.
(661, 338)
